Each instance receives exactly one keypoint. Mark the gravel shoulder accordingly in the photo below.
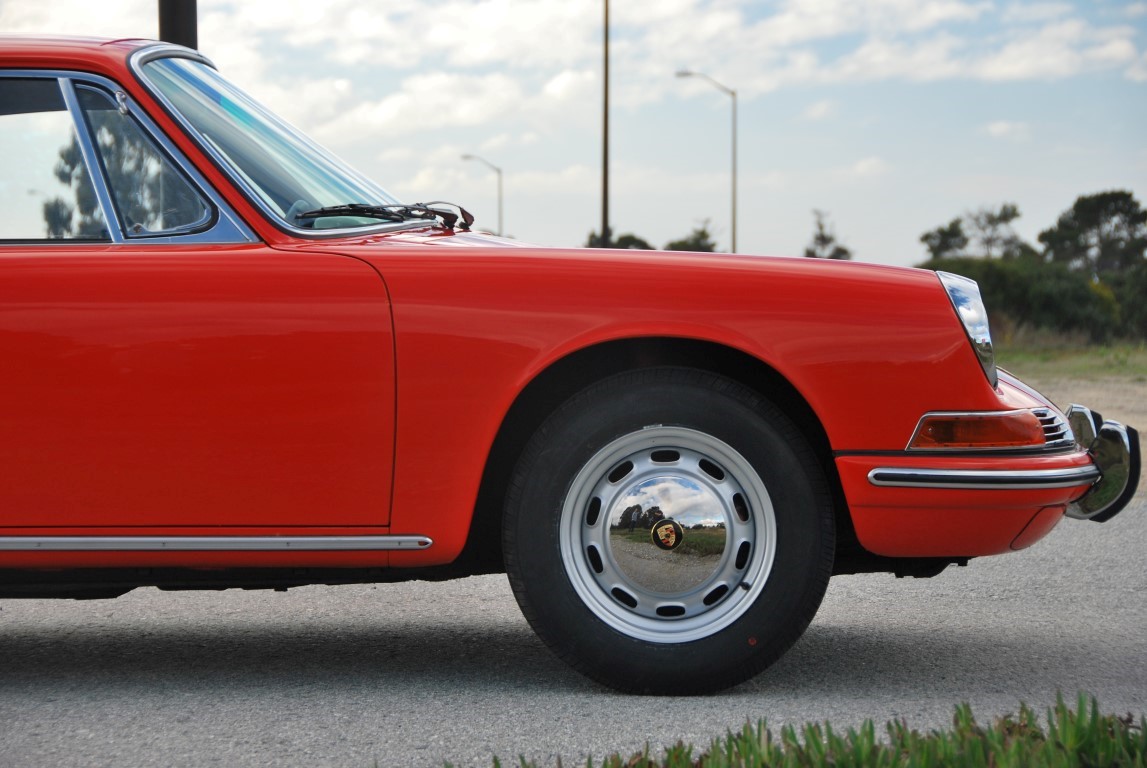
(1117, 397)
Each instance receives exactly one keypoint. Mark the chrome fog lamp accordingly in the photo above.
(969, 306)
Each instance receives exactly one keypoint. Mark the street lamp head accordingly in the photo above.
(733, 94)
(467, 157)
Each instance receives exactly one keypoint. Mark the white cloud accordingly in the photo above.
(819, 111)
(495, 142)
(1035, 12)
(131, 18)
(1004, 129)
(929, 59)
(868, 167)
(558, 42)
(402, 34)
(424, 101)
(803, 21)
(1138, 70)
(570, 84)
(1058, 50)
(404, 88)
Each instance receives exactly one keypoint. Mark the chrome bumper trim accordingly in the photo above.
(211, 543)
(983, 479)
(1114, 448)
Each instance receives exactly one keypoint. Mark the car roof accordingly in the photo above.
(60, 52)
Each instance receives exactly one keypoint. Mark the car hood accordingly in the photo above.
(487, 247)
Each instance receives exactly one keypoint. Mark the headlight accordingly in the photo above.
(965, 296)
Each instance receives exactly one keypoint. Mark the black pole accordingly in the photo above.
(605, 239)
(178, 23)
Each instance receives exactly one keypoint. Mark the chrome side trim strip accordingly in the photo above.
(211, 543)
(983, 479)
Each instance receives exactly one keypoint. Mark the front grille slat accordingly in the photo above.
(1056, 432)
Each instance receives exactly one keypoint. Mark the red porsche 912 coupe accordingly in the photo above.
(231, 361)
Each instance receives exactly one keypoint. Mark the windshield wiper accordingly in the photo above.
(398, 212)
(352, 209)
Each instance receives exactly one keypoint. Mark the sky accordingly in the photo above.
(891, 116)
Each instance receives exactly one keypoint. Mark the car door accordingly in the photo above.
(162, 370)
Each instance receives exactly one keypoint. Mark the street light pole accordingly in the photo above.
(498, 171)
(733, 176)
(178, 22)
(605, 239)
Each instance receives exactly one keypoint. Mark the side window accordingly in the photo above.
(46, 191)
(151, 195)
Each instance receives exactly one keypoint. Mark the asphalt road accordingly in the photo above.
(418, 674)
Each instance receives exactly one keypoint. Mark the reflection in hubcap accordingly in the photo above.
(668, 534)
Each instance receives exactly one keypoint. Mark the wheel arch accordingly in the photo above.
(572, 373)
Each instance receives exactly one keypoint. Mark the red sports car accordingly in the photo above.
(231, 361)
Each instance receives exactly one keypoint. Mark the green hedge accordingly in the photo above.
(1079, 738)
(1050, 296)
(1130, 290)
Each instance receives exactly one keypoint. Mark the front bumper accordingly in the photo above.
(906, 504)
(1112, 474)
(1114, 448)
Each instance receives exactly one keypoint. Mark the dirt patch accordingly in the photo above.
(1121, 398)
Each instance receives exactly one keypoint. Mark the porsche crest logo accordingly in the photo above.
(667, 534)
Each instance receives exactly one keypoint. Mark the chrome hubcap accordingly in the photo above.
(668, 534)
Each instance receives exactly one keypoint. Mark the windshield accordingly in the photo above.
(280, 167)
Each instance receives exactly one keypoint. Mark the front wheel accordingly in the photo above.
(668, 531)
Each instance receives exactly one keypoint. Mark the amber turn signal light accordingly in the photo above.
(973, 431)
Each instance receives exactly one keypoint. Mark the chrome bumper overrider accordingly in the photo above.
(1113, 473)
(1114, 448)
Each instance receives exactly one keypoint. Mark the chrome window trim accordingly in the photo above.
(212, 543)
(227, 228)
(126, 108)
(983, 479)
(964, 293)
(143, 56)
(91, 160)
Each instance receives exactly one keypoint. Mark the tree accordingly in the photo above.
(632, 241)
(1129, 288)
(597, 241)
(947, 240)
(824, 244)
(989, 228)
(150, 196)
(992, 230)
(628, 240)
(1034, 294)
(84, 219)
(697, 240)
(1105, 232)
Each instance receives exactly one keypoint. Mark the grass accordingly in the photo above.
(1073, 738)
(708, 541)
(1048, 360)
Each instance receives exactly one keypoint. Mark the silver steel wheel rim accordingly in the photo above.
(668, 601)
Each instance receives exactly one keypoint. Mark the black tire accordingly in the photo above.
(748, 560)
